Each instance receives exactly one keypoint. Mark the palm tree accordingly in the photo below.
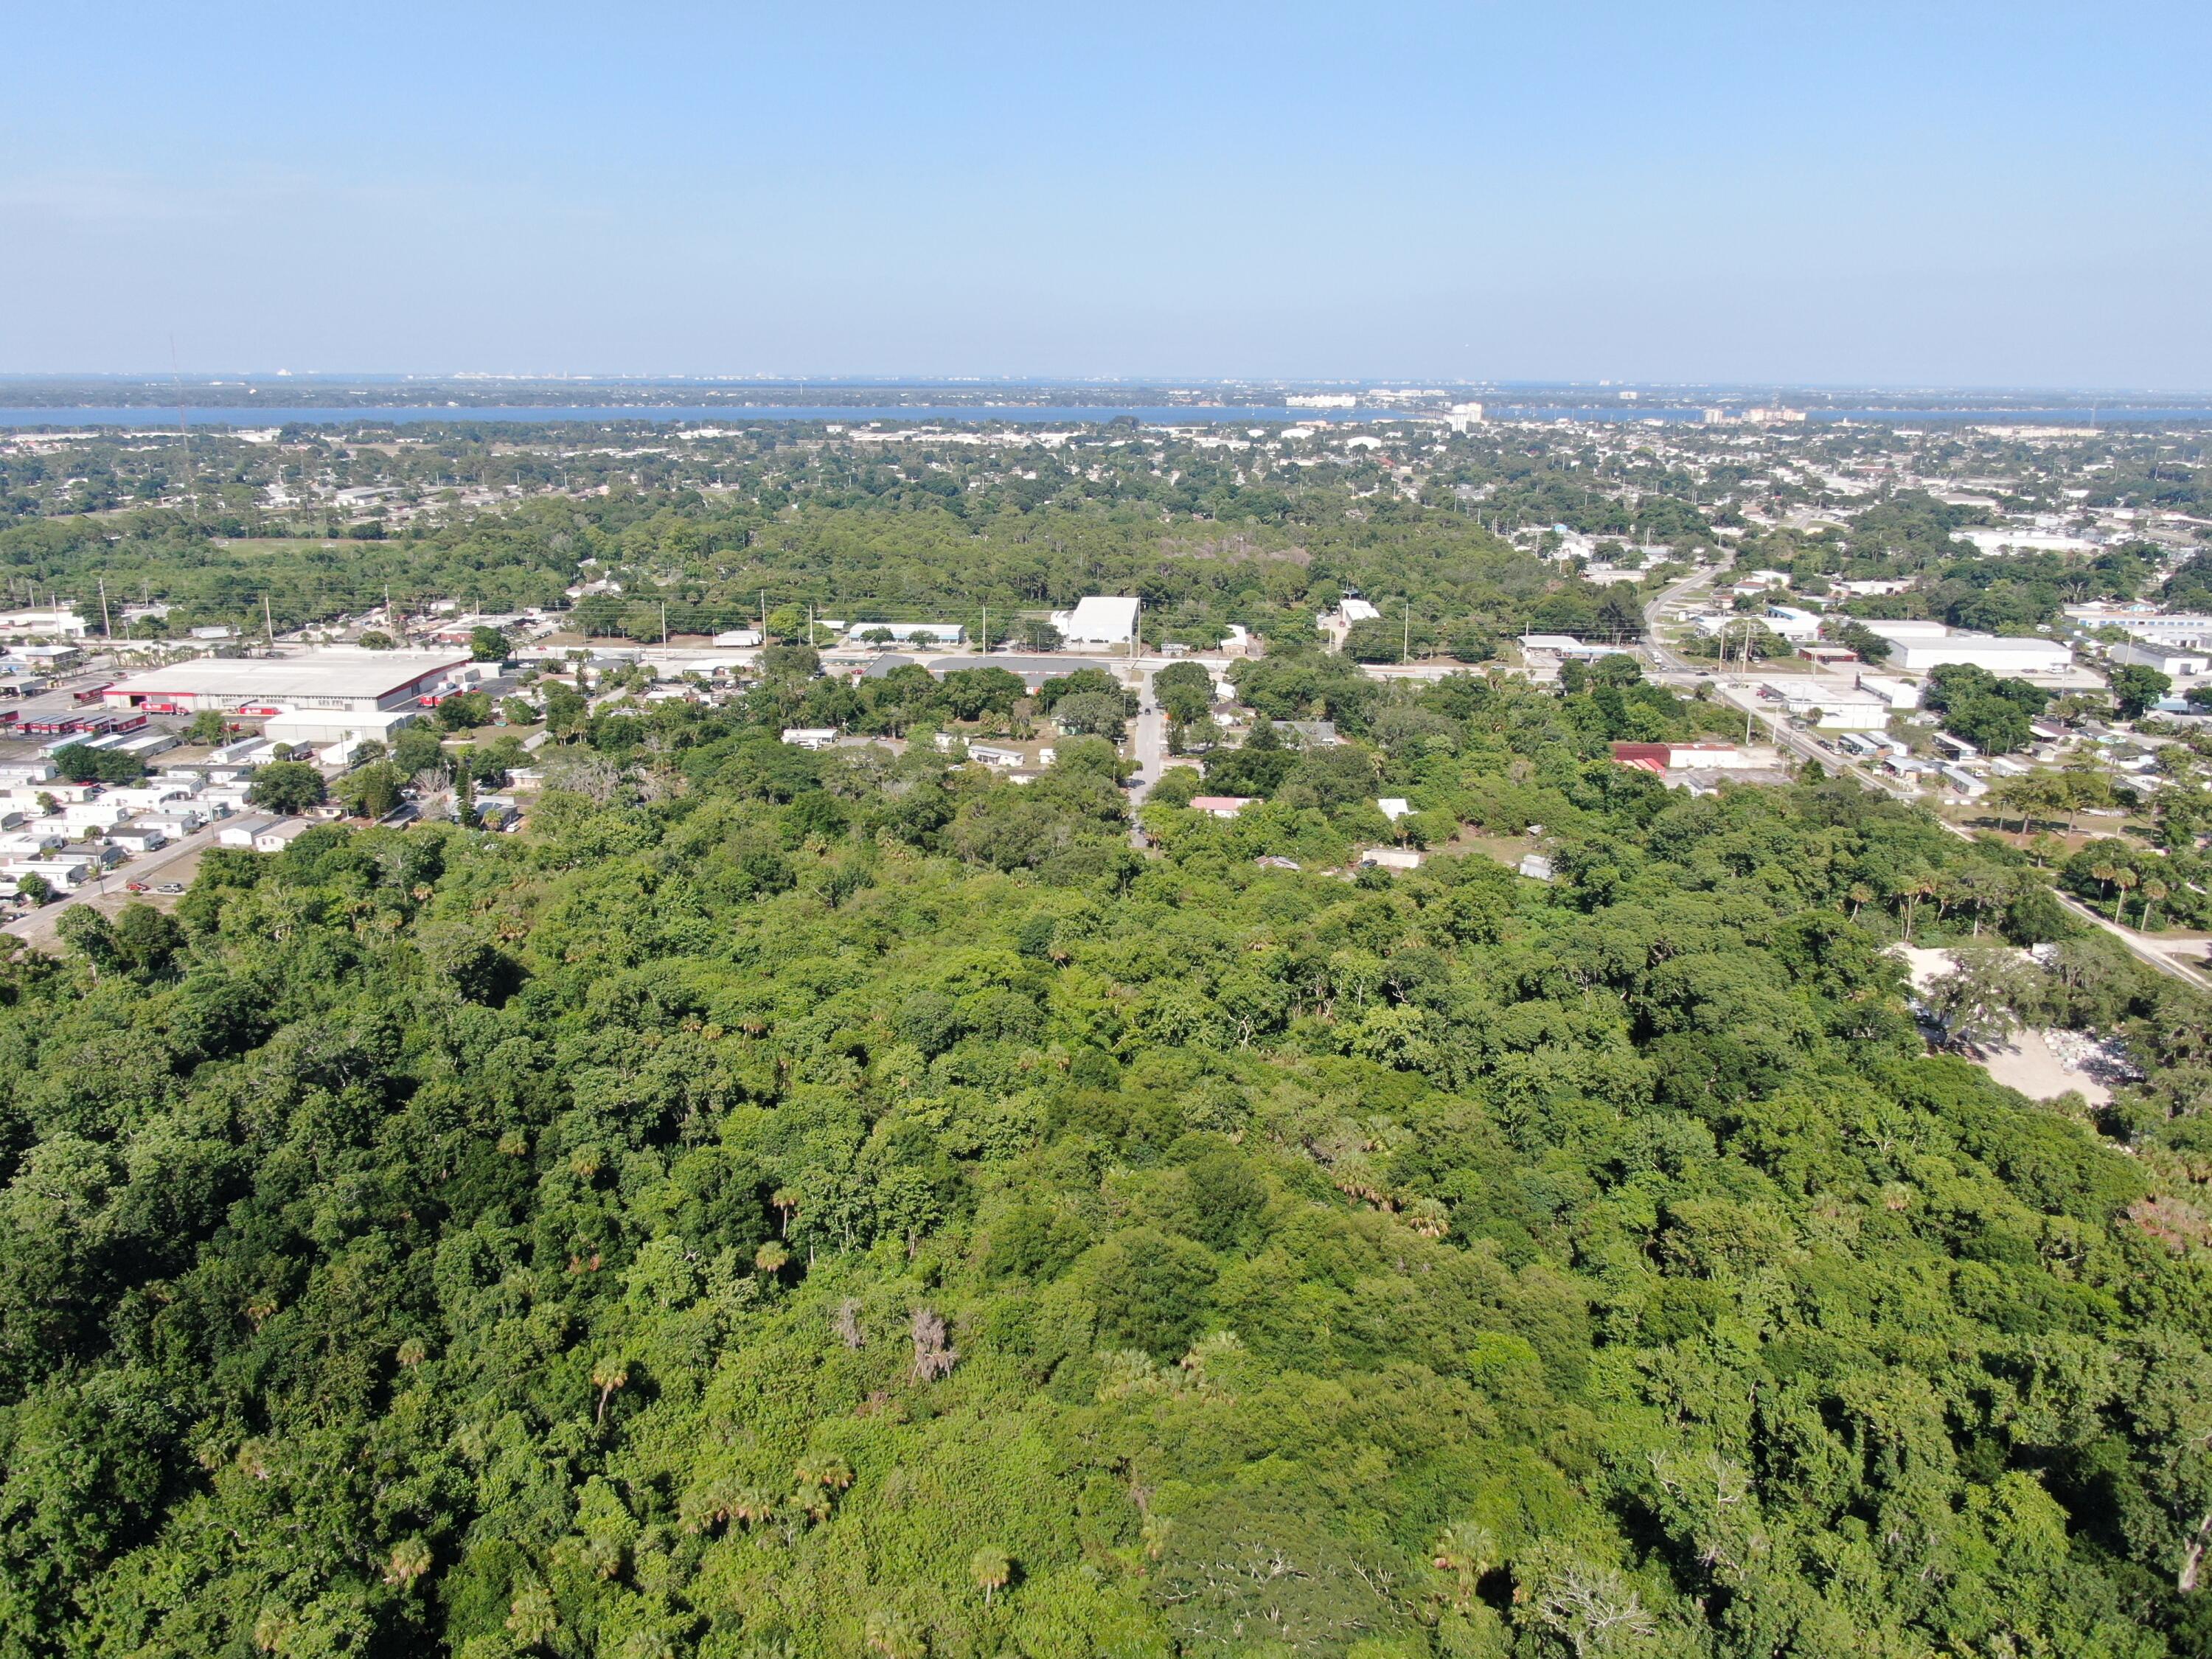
(1912, 890)
(893, 1635)
(607, 1376)
(410, 1559)
(833, 1473)
(783, 1201)
(2124, 879)
(2154, 890)
(990, 1569)
(1467, 1552)
(754, 1504)
(1860, 894)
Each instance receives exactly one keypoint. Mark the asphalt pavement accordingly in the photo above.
(37, 928)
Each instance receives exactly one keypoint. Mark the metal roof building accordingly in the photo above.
(354, 682)
(1098, 621)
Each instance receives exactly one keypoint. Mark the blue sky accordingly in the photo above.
(1933, 194)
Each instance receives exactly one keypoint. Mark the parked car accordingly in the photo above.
(136, 887)
(170, 887)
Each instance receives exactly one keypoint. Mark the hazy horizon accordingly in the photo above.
(211, 375)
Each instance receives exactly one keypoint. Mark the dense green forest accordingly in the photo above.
(819, 1204)
(699, 565)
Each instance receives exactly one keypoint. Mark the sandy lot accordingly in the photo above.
(2028, 1062)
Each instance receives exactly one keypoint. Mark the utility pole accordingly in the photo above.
(1405, 650)
(664, 621)
(986, 630)
(1748, 693)
(268, 621)
(106, 630)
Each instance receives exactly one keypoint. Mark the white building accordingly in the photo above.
(352, 727)
(1099, 621)
(49, 623)
(908, 633)
(1566, 645)
(1918, 647)
(2011, 539)
(55, 873)
(1839, 711)
(2181, 662)
(1793, 624)
(809, 737)
(1389, 858)
(1898, 694)
(2159, 628)
(332, 681)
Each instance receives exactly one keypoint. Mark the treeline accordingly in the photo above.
(697, 565)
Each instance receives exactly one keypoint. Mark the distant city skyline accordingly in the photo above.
(1975, 198)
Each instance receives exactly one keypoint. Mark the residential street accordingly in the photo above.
(109, 891)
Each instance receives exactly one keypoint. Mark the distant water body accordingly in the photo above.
(1036, 415)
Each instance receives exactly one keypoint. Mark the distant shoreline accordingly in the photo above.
(130, 416)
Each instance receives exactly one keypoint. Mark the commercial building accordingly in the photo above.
(1099, 621)
(1792, 624)
(322, 696)
(1841, 713)
(1918, 647)
(1565, 645)
(1827, 656)
(2012, 539)
(1898, 694)
(50, 623)
(909, 632)
(2179, 662)
(1669, 756)
(2162, 628)
(317, 729)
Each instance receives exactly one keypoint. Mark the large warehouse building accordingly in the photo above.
(1917, 647)
(1099, 621)
(321, 697)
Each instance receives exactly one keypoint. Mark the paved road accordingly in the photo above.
(1655, 612)
(1150, 733)
(37, 928)
(1149, 738)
